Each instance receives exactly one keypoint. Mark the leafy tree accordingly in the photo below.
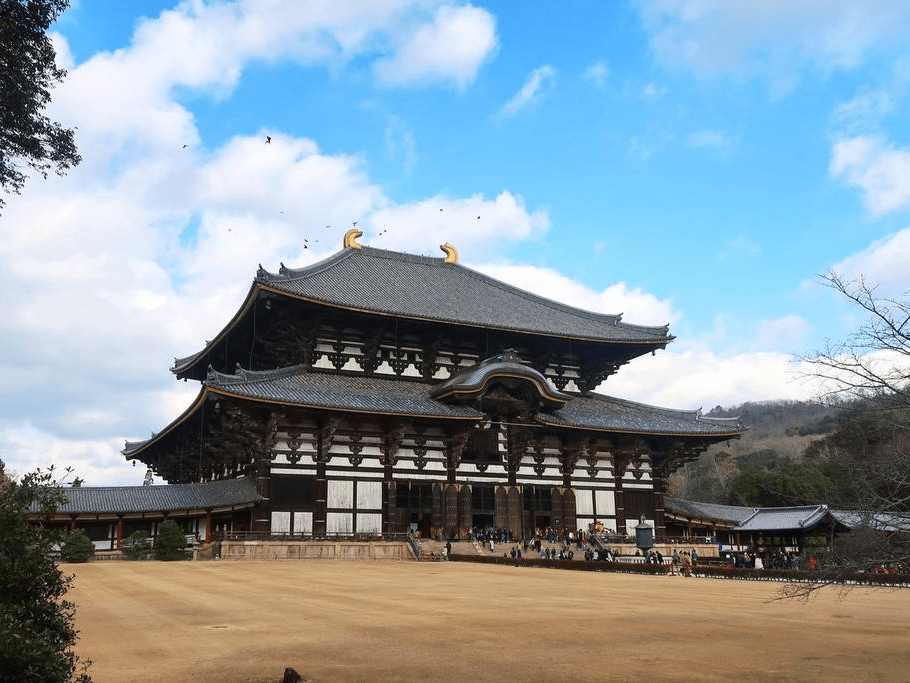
(36, 622)
(77, 547)
(28, 138)
(170, 543)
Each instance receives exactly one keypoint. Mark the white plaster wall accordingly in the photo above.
(369, 524)
(605, 503)
(303, 523)
(584, 503)
(369, 495)
(339, 523)
(281, 522)
(340, 494)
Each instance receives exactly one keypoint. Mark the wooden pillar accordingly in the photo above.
(569, 514)
(450, 512)
(467, 516)
(436, 510)
(262, 513)
(391, 442)
(320, 504)
(619, 471)
(660, 526)
(515, 512)
(119, 532)
(325, 436)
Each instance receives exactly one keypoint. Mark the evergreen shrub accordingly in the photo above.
(170, 543)
(136, 546)
(77, 547)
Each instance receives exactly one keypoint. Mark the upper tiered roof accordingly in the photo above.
(392, 284)
(426, 288)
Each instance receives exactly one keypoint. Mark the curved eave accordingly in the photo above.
(481, 386)
(134, 448)
(592, 412)
(183, 366)
(648, 342)
(563, 424)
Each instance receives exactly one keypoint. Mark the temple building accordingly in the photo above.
(377, 392)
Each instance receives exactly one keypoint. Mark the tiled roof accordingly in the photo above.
(784, 519)
(426, 288)
(126, 499)
(707, 511)
(298, 386)
(302, 387)
(596, 411)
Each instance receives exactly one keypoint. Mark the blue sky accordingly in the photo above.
(691, 163)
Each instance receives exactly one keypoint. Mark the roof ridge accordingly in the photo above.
(286, 274)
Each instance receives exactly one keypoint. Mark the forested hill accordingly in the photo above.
(782, 418)
(779, 431)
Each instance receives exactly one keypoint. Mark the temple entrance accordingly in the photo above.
(537, 503)
(415, 500)
(483, 505)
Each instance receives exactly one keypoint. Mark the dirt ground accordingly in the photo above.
(450, 621)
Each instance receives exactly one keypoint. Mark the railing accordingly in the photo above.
(260, 536)
(415, 546)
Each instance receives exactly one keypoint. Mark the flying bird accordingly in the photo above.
(268, 139)
(185, 146)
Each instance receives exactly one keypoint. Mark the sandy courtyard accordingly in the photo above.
(408, 621)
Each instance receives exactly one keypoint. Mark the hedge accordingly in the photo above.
(711, 571)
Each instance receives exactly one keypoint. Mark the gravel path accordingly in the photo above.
(448, 621)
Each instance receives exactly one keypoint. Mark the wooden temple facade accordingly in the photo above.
(378, 392)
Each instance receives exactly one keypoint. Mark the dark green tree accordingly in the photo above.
(170, 544)
(28, 71)
(77, 547)
(37, 631)
(137, 546)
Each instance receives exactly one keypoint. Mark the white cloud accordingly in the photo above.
(691, 375)
(710, 139)
(536, 86)
(125, 98)
(147, 248)
(652, 91)
(597, 73)
(776, 40)
(880, 171)
(637, 306)
(782, 334)
(883, 263)
(471, 224)
(866, 108)
(450, 48)
(739, 246)
(400, 143)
